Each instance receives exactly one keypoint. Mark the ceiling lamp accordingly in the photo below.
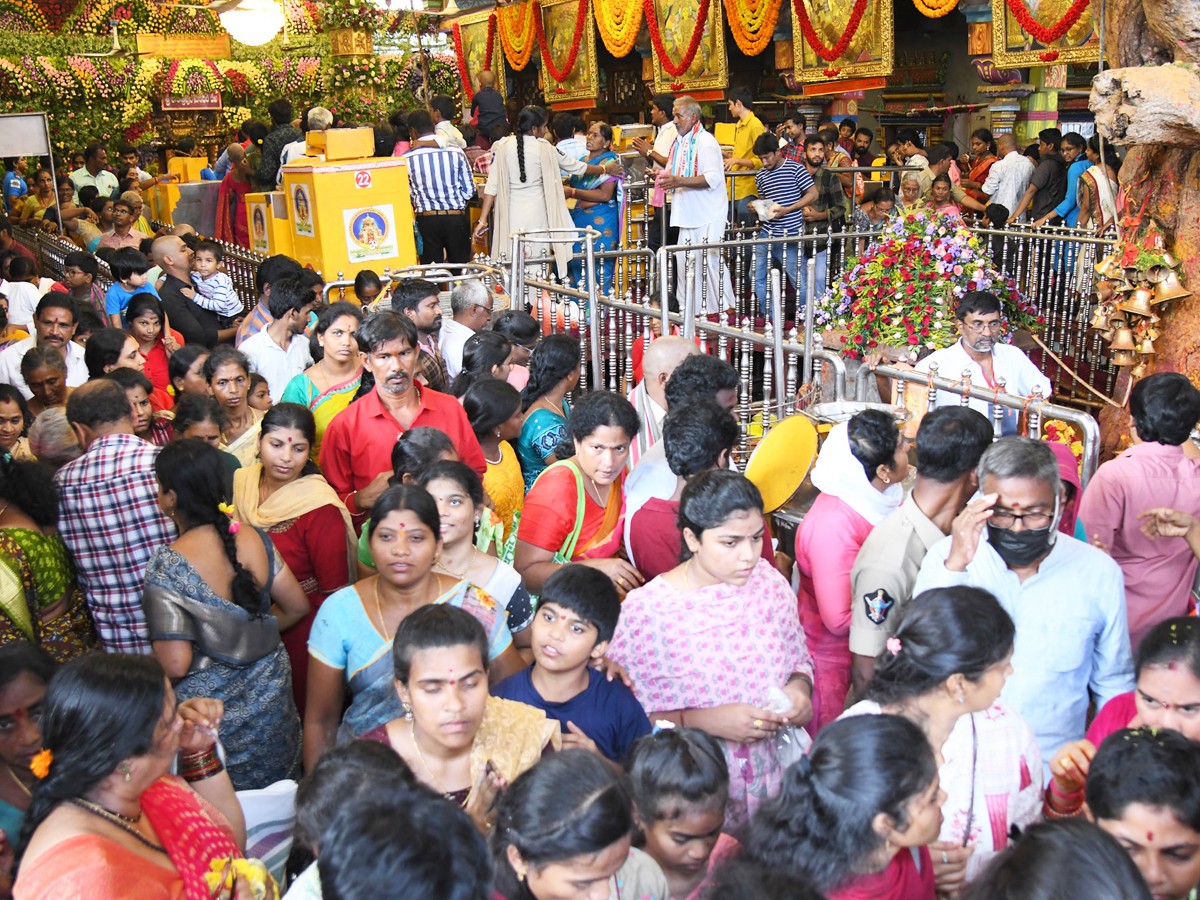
(253, 22)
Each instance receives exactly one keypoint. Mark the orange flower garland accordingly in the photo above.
(1040, 32)
(935, 9)
(656, 40)
(619, 22)
(831, 54)
(753, 23)
(560, 75)
(515, 22)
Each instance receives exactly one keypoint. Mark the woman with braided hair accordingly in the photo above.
(216, 600)
(524, 187)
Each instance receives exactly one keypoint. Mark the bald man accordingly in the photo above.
(196, 324)
(487, 108)
(649, 398)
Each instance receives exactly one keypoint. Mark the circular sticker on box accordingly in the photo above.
(362, 179)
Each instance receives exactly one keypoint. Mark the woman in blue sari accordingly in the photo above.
(597, 204)
(553, 373)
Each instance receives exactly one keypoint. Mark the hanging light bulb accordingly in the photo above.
(253, 22)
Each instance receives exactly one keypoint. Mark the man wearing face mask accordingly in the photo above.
(1066, 598)
(981, 351)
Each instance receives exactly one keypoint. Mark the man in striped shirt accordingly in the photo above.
(440, 182)
(788, 185)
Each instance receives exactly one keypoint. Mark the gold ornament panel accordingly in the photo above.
(871, 53)
(1013, 48)
(558, 24)
(677, 19)
(474, 30)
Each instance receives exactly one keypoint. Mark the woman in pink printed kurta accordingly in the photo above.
(829, 538)
(702, 648)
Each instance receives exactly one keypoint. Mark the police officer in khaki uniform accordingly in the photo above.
(950, 442)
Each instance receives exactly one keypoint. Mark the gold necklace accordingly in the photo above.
(11, 773)
(412, 731)
(595, 488)
(125, 823)
(461, 576)
(437, 584)
(558, 409)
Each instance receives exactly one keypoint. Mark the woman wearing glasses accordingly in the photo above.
(992, 363)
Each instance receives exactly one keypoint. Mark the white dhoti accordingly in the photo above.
(694, 267)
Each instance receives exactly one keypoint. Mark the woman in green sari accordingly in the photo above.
(597, 204)
(328, 386)
(553, 373)
(40, 599)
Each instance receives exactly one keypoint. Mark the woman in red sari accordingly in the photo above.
(106, 821)
(575, 511)
(983, 155)
(232, 224)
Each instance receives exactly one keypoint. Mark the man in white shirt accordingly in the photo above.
(695, 179)
(989, 362)
(441, 108)
(280, 351)
(471, 310)
(53, 327)
(319, 119)
(95, 173)
(662, 111)
(649, 397)
(1009, 175)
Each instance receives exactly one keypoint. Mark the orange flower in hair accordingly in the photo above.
(40, 764)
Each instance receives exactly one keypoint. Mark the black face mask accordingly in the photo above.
(3, 317)
(1020, 548)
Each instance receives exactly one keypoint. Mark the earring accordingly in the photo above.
(961, 697)
(886, 480)
(125, 770)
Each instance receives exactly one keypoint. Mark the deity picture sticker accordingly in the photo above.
(302, 211)
(370, 233)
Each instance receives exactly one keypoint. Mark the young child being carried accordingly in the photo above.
(214, 289)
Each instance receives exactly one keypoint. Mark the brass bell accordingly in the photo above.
(1139, 371)
(1138, 302)
(1123, 339)
(1170, 261)
(1104, 289)
(1170, 288)
(1123, 358)
(1100, 317)
(1156, 273)
(1146, 347)
(1108, 266)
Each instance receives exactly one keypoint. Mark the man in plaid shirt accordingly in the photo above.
(109, 515)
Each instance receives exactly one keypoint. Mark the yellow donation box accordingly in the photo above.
(350, 215)
(267, 218)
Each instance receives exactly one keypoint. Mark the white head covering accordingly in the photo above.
(839, 473)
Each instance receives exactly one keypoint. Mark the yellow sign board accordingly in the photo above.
(184, 46)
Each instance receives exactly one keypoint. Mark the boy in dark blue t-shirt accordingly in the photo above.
(575, 620)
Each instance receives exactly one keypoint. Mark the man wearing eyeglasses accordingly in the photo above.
(980, 351)
(471, 310)
(1066, 598)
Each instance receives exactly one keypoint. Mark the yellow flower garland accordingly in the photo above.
(753, 23)
(515, 24)
(619, 22)
(935, 9)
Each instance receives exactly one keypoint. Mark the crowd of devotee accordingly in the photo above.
(497, 636)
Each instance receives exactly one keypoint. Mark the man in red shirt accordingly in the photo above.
(356, 454)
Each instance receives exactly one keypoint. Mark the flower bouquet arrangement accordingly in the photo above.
(902, 292)
(362, 15)
(1059, 432)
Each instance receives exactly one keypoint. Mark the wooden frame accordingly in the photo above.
(709, 71)
(1013, 48)
(870, 55)
(474, 28)
(558, 24)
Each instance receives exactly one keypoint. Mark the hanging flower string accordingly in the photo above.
(753, 23)
(515, 23)
(839, 49)
(689, 55)
(1041, 33)
(560, 75)
(935, 9)
(619, 22)
(456, 34)
(491, 43)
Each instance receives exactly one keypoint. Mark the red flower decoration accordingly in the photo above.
(685, 62)
(1041, 33)
(830, 54)
(560, 75)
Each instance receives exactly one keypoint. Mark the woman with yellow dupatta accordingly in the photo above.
(287, 497)
(457, 740)
(575, 511)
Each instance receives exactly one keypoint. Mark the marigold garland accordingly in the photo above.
(693, 45)
(456, 36)
(1041, 33)
(560, 75)
(515, 24)
(753, 23)
(839, 49)
(619, 22)
(935, 9)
